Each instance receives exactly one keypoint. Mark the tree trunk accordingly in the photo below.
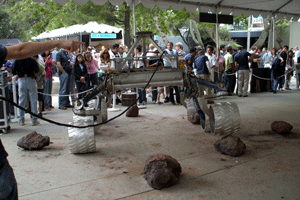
(161, 32)
(264, 34)
(127, 27)
(184, 40)
(197, 38)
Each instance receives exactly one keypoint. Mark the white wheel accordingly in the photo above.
(82, 140)
(226, 118)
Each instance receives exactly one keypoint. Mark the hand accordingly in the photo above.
(39, 83)
(271, 63)
(70, 45)
(82, 79)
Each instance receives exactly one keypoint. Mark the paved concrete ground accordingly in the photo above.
(270, 169)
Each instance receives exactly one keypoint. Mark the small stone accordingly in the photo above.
(281, 127)
(33, 141)
(161, 171)
(133, 111)
(194, 118)
(230, 145)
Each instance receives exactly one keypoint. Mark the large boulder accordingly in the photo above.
(230, 145)
(161, 171)
(33, 141)
(133, 111)
(281, 127)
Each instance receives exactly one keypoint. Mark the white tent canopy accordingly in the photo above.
(280, 8)
(91, 27)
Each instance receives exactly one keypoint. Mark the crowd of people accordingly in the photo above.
(80, 71)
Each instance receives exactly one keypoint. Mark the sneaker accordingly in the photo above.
(21, 122)
(40, 114)
(62, 108)
(144, 103)
(158, 102)
(35, 122)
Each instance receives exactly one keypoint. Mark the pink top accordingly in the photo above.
(221, 64)
(92, 66)
(48, 68)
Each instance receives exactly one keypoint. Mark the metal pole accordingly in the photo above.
(134, 21)
(273, 30)
(248, 35)
(217, 41)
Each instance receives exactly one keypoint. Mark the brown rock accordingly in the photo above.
(230, 145)
(33, 141)
(133, 111)
(281, 127)
(161, 171)
(194, 118)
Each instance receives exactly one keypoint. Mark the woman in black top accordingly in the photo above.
(80, 73)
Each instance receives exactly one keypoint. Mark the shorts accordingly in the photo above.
(40, 95)
(160, 89)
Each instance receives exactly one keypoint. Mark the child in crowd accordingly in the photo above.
(189, 65)
(160, 91)
(80, 73)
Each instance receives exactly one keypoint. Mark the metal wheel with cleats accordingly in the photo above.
(82, 140)
(226, 118)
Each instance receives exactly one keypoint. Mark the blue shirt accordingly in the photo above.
(200, 65)
(242, 59)
(190, 56)
(54, 53)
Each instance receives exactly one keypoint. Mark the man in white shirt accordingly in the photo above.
(212, 61)
(114, 53)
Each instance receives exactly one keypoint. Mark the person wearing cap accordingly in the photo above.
(8, 68)
(229, 78)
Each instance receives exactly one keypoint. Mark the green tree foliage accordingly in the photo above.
(241, 20)
(282, 24)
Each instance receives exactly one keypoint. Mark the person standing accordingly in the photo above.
(202, 71)
(170, 94)
(49, 62)
(275, 61)
(223, 50)
(114, 53)
(92, 67)
(80, 73)
(179, 49)
(40, 87)
(192, 55)
(212, 61)
(229, 78)
(27, 70)
(140, 64)
(63, 62)
(242, 64)
(289, 69)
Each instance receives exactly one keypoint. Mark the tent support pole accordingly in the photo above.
(217, 44)
(80, 39)
(273, 31)
(248, 34)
